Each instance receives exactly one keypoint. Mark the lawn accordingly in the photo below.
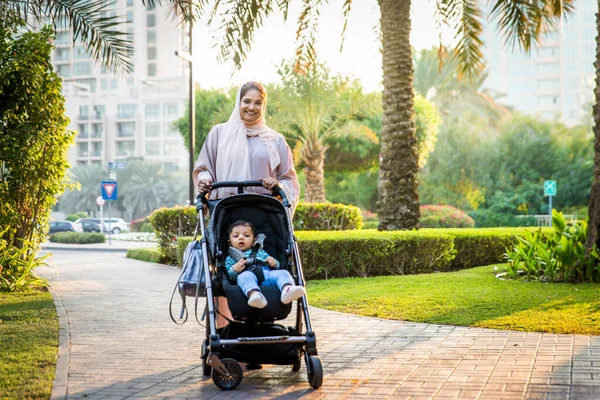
(472, 297)
(28, 345)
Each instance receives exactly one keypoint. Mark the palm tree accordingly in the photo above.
(313, 108)
(83, 198)
(90, 22)
(519, 21)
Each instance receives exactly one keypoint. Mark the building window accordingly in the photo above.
(548, 100)
(125, 148)
(99, 111)
(130, 33)
(152, 111)
(114, 83)
(152, 53)
(82, 68)
(548, 51)
(62, 54)
(151, 20)
(171, 110)
(552, 68)
(125, 129)
(81, 163)
(63, 37)
(91, 83)
(169, 129)
(126, 110)
(129, 3)
(150, 6)
(104, 83)
(84, 131)
(97, 130)
(171, 148)
(153, 148)
(64, 70)
(84, 112)
(97, 149)
(152, 130)
(79, 52)
(129, 17)
(82, 149)
(548, 84)
(151, 37)
(152, 69)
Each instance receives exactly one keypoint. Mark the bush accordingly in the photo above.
(16, 268)
(170, 223)
(486, 218)
(77, 237)
(326, 217)
(443, 216)
(136, 225)
(152, 255)
(76, 216)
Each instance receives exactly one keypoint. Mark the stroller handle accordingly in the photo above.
(241, 185)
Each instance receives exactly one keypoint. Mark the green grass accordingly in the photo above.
(28, 345)
(472, 297)
(150, 254)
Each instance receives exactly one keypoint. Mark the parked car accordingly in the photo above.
(89, 226)
(117, 225)
(63, 226)
(96, 221)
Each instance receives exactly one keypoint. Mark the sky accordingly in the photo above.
(275, 41)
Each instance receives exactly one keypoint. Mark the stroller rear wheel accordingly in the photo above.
(233, 377)
(315, 372)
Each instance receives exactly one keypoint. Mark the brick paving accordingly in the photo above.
(118, 342)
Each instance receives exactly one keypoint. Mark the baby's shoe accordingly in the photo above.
(257, 300)
(291, 293)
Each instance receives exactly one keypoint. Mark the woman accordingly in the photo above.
(245, 148)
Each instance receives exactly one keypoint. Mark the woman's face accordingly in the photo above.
(251, 107)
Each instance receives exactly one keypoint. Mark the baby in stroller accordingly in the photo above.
(251, 266)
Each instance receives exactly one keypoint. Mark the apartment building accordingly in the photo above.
(556, 80)
(120, 116)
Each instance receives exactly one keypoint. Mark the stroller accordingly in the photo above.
(252, 336)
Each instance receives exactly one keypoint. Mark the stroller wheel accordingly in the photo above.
(315, 372)
(233, 377)
(296, 366)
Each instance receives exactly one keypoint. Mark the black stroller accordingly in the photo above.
(252, 336)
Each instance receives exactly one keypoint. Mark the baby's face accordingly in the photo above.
(241, 238)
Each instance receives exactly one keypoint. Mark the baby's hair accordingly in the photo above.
(242, 223)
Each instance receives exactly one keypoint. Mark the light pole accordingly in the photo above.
(192, 110)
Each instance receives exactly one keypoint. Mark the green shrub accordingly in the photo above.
(16, 268)
(152, 255)
(137, 224)
(77, 237)
(76, 216)
(443, 216)
(171, 223)
(559, 255)
(326, 217)
(488, 219)
(146, 228)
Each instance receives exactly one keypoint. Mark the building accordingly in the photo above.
(120, 116)
(556, 80)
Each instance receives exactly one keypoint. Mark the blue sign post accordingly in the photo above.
(550, 190)
(109, 192)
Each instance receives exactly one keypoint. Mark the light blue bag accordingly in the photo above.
(191, 281)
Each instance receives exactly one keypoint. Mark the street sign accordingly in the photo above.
(100, 201)
(549, 188)
(116, 165)
(109, 190)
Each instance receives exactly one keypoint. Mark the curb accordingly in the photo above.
(61, 373)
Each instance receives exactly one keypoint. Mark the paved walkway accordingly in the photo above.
(121, 344)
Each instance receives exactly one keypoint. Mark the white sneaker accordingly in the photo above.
(291, 293)
(257, 300)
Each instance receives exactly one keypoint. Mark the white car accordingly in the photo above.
(117, 225)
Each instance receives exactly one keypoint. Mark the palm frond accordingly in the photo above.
(306, 35)
(345, 13)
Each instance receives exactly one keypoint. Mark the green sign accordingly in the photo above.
(549, 188)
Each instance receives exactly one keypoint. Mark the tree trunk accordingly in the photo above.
(313, 155)
(594, 205)
(398, 204)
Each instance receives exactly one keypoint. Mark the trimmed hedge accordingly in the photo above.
(170, 223)
(77, 237)
(146, 254)
(326, 217)
(370, 252)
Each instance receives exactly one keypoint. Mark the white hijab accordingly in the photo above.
(233, 155)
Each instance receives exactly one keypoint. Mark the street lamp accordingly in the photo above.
(192, 110)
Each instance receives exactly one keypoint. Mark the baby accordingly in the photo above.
(241, 237)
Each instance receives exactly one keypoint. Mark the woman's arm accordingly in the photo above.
(207, 159)
(286, 174)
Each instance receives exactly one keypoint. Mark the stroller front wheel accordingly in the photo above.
(315, 372)
(233, 377)
(206, 369)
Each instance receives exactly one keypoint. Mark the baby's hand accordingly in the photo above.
(271, 261)
(239, 266)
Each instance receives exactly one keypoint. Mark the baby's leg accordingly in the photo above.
(284, 281)
(248, 282)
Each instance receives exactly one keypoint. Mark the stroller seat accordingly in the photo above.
(241, 311)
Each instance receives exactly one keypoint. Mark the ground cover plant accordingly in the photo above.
(472, 297)
(28, 345)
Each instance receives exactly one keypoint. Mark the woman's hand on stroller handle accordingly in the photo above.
(277, 190)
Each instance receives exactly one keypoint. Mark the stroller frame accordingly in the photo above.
(227, 372)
